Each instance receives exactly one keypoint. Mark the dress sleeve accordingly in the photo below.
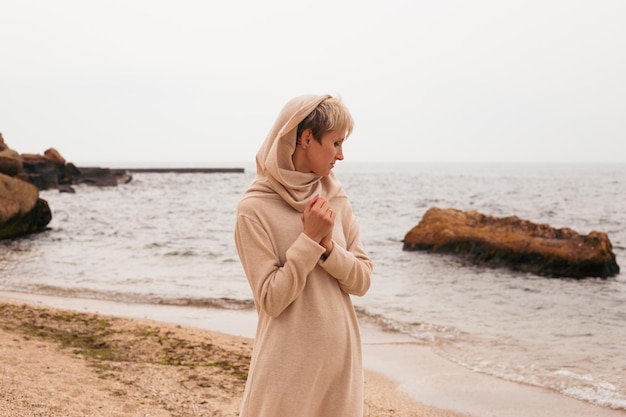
(350, 265)
(274, 286)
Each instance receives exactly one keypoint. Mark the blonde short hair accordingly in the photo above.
(330, 114)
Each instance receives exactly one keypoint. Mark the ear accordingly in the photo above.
(305, 138)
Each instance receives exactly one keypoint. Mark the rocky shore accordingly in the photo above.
(22, 176)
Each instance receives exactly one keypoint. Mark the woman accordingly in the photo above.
(299, 245)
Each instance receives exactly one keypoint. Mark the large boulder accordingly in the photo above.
(515, 243)
(21, 210)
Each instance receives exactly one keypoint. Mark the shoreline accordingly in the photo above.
(416, 371)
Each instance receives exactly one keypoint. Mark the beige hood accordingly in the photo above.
(275, 171)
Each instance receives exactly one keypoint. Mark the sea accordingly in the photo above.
(167, 239)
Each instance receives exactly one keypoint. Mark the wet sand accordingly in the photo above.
(403, 378)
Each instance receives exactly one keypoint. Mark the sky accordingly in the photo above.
(201, 82)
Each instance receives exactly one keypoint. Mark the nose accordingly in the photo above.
(339, 154)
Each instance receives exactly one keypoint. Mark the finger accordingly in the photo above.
(320, 202)
(311, 204)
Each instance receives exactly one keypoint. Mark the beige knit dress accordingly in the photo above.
(306, 360)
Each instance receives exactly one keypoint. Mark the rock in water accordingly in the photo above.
(514, 243)
(21, 210)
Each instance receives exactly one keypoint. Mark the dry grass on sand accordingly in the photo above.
(64, 363)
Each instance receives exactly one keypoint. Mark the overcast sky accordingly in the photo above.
(202, 81)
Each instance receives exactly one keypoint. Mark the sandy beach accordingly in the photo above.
(73, 357)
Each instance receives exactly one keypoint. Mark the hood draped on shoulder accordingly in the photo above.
(275, 172)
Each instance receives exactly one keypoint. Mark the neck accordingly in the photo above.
(299, 160)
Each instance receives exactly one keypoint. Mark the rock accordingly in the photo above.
(515, 243)
(54, 156)
(64, 188)
(50, 171)
(68, 174)
(40, 171)
(10, 161)
(21, 209)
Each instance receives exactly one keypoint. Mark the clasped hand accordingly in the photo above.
(318, 220)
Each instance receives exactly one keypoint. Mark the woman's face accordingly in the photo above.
(322, 156)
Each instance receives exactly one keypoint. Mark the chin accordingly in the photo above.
(323, 173)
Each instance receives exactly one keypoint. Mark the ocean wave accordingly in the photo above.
(225, 303)
(420, 332)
